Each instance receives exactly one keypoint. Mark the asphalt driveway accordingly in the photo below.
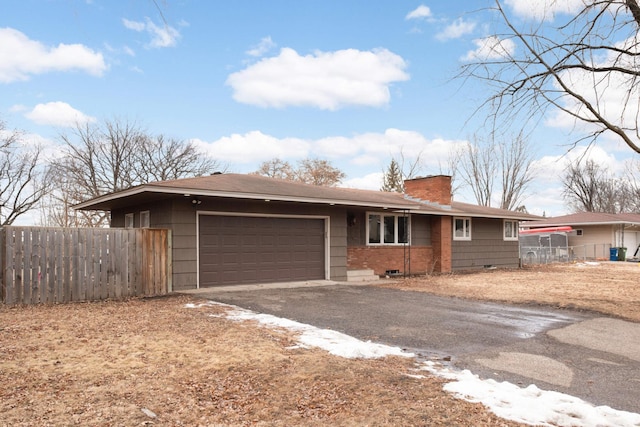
(578, 353)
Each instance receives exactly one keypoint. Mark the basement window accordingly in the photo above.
(387, 229)
(510, 230)
(461, 228)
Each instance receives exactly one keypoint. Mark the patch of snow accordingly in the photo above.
(529, 405)
(587, 263)
(334, 342)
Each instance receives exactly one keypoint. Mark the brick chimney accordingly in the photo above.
(434, 188)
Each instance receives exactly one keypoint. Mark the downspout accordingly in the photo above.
(406, 251)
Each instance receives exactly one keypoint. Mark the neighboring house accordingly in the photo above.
(594, 233)
(234, 229)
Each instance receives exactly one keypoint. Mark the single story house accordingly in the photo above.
(594, 233)
(234, 228)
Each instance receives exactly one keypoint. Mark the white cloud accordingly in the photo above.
(254, 147)
(421, 12)
(161, 36)
(58, 114)
(265, 45)
(372, 181)
(541, 10)
(18, 108)
(489, 48)
(20, 57)
(379, 148)
(456, 29)
(371, 150)
(325, 80)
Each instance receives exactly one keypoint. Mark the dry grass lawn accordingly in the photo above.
(157, 362)
(611, 288)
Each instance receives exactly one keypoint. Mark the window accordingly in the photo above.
(388, 229)
(510, 230)
(128, 220)
(462, 229)
(144, 219)
(579, 232)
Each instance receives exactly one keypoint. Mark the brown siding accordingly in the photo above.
(486, 248)
(181, 214)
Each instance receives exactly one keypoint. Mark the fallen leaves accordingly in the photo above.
(116, 363)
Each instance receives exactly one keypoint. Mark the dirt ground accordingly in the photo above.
(158, 362)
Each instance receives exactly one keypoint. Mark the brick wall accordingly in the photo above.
(383, 258)
(441, 229)
(436, 188)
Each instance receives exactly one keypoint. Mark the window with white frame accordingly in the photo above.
(128, 220)
(144, 219)
(461, 228)
(387, 229)
(510, 230)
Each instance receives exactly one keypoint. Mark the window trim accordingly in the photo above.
(515, 224)
(129, 220)
(144, 219)
(382, 215)
(466, 230)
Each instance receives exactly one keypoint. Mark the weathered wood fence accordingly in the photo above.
(57, 265)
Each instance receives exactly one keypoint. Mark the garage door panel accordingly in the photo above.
(237, 249)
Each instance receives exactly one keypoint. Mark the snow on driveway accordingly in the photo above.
(529, 405)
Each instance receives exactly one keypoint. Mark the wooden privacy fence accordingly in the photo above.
(56, 265)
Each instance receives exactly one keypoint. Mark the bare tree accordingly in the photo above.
(477, 166)
(319, 172)
(585, 66)
(23, 179)
(163, 159)
(632, 178)
(275, 168)
(589, 187)
(516, 159)
(113, 156)
(410, 167)
(308, 171)
(480, 163)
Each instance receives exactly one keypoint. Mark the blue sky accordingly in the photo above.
(355, 82)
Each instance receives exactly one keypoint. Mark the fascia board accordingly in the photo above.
(234, 195)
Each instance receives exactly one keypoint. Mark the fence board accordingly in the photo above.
(56, 265)
(9, 278)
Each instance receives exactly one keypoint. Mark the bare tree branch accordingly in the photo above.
(576, 67)
(23, 179)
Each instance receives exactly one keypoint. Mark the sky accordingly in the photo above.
(529, 405)
(355, 82)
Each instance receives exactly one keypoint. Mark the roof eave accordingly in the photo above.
(190, 192)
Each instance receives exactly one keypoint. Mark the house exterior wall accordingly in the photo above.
(180, 215)
(594, 243)
(486, 247)
(416, 258)
(380, 259)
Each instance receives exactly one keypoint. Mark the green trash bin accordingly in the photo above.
(622, 254)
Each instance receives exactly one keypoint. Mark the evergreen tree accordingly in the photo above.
(392, 179)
